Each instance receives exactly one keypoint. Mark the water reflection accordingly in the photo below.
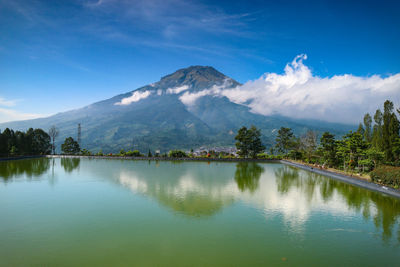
(31, 168)
(247, 175)
(182, 188)
(70, 164)
(384, 210)
(199, 190)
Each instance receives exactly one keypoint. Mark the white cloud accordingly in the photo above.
(298, 93)
(135, 97)
(7, 103)
(7, 115)
(190, 99)
(177, 90)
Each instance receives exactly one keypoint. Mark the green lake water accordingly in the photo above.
(109, 212)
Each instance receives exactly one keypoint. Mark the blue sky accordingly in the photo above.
(60, 55)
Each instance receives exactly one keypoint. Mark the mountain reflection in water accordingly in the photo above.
(201, 190)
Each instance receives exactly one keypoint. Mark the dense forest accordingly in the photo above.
(374, 148)
(372, 144)
(18, 143)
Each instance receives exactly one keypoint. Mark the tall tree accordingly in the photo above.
(308, 143)
(352, 149)
(40, 142)
(329, 148)
(53, 132)
(249, 142)
(367, 127)
(360, 129)
(3, 145)
(390, 130)
(284, 140)
(377, 131)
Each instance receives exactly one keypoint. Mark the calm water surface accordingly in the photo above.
(98, 212)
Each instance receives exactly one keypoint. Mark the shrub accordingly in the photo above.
(387, 175)
(134, 153)
(86, 152)
(177, 154)
(267, 156)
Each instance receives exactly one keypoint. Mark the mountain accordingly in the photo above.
(179, 111)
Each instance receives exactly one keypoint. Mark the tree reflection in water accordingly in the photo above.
(247, 176)
(70, 164)
(384, 210)
(32, 168)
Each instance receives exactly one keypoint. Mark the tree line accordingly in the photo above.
(19, 143)
(362, 150)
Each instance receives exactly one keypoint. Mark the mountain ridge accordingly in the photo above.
(174, 113)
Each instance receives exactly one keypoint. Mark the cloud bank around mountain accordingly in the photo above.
(298, 93)
(135, 97)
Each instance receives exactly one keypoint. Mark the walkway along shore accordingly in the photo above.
(347, 179)
(337, 176)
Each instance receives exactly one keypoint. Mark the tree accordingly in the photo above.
(149, 154)
(284, 140)
(70, 146)
(243, 142)
(177, 154)
(377, 131)
(367, 127)
(249, 142)
(308, 143)
(329, 148)
(53, 132)
(352, 149)
(360, 129)
(39, 142)
(390, 130)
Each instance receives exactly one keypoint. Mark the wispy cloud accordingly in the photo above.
(298, 93)
(7, 103)
(7, 115)
(11, 114)
(170, 24)
(172, 15)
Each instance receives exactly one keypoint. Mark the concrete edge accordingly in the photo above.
(169, 158)
(22, 157)
(348, 179)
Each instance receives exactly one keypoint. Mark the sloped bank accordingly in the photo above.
(347, 179)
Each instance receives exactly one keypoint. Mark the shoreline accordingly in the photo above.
(347, 179)
(169, 158)
(330, 174)
(23, 157)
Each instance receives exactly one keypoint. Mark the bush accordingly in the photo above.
(134, 153)
(387, 175)
(267, 156)
(86, 152)
(177, 154)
